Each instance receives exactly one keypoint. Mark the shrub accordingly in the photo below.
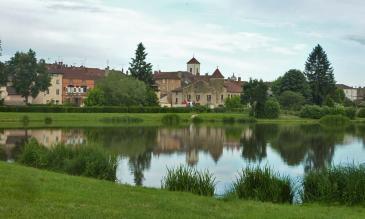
(350, 112)
(233, 102)
(171, 119)
(272, 109)
(84, 160)
(196, 119)
(186, 179)
(291, 100)
(361, 113)
(263, 185)
(311, 112)
(48, 120)
(247, 120)
(345, 185)
(335, 120)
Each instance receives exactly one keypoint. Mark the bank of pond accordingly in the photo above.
(342, 184)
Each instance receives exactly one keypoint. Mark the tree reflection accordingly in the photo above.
(138, 164)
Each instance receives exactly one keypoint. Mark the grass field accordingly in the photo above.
(32, 193)
(13, 120)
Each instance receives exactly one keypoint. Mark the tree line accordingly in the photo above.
(315, 85)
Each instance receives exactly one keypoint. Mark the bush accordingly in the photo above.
(345, 185)
(84, 160)
(311, 112)
(186, 179)
(335, 121)
(361, 113)
(272, 109)
(350, 112)
(48, 120)
(291, 100)
(170, 119)
(263, 185)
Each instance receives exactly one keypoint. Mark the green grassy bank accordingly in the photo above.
(31, 193)
(14, 120)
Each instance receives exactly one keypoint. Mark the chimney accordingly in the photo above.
(239, 79)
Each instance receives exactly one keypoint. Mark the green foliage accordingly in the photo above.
(95, 97)
(263, 185)
(350, 112)
(121, 119)
(171, 119)
(25, 120)
(329, 102)
(255, 94)
(338, 96)
(197, 119)
(81, 160)
(293, 80)
(233, 102)
(48, 120)
(119, 90)
(29, 77)
(361, 113)
(151, 98)
(316, 112)
(272, 109)
(343, 185)
(247, 120)
(187, 179)
(290, 100)
(311, 112)
(334, 121)
(320, 76)
(140, 69)
(229, 120)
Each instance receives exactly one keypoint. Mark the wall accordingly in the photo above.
(54, 94)
(75, 97)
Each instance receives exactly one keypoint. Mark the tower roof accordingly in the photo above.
(193, 61)
(217, 74)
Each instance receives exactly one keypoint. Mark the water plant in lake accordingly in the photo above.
(263, 184)
(341, 184)
(87, 161)
(171, 119)
(187, 179)
(121, 119)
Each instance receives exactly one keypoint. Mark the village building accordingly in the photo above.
(182, 88)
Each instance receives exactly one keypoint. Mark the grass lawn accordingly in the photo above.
(13, 120)
(31, 193)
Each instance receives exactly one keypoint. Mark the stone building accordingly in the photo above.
(182, 88)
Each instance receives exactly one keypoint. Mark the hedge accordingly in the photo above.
(317, 112)
(114, 109)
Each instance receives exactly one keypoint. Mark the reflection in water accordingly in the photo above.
(292, 149)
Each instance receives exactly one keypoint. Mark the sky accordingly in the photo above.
(252, 39)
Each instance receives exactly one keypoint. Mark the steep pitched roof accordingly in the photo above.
(72, 72)
(233, 86)
(217, 74)
(193, 61)
(168, 75)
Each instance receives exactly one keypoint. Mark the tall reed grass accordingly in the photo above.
(86, 161)
(187, 179)
(263, 184)
(342, 184)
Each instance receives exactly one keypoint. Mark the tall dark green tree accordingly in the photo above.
(28, 76)
(319, 73)
(3, 76)
(255, 94)
(140, 69)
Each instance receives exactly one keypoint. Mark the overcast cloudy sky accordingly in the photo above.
(259, 39)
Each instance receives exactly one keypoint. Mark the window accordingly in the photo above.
(209, 98)
(47, 92)
(57, 101)
(222, 97)
(176, 100)
(191, 70)
(189, 97)
(197, 70)
(57, 81)
(197, 97)
(58, 92)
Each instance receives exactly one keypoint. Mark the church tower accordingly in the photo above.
(193, 66)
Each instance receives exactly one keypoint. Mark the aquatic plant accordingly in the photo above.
(341, 184)
(188, 179)
(263, 184)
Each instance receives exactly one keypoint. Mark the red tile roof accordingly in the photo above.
(233, 86)
(72, 72)
(217, 74)
(167, 75)
(193, 61)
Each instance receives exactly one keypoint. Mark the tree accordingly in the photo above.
(140, 69)
(95, 97)
(233, 102)
(3, 75)
(320, 76)
(338, 96)
(255, 94)
(291, 100)
(28, 76)
(272, 109)
(119, 90)
(293, 80)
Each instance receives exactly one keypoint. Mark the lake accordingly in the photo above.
(145, 153)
